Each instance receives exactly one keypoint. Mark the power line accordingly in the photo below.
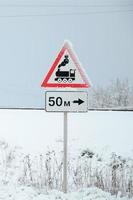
(66, 6)
(66, 14)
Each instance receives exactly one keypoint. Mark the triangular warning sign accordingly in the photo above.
(66, 71)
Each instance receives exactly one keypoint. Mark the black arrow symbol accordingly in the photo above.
(79, 101)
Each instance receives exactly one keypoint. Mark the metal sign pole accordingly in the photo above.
(65, 154)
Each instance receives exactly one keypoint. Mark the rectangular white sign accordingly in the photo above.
(66, 101)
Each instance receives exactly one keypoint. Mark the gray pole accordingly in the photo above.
(65, 155)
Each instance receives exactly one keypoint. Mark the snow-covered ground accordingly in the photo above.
(21, 175)
(27, 193)
(36, 131)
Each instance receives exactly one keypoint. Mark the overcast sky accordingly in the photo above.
(32, 33)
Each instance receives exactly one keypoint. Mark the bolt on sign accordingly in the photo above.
(66, 71)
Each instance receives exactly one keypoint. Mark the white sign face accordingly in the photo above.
(66, 71)
(66, 101)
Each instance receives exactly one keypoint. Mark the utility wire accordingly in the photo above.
(66, 6)
(66, 14)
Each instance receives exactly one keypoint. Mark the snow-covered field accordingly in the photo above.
(27, 193)
(36, 131)
(30, 172)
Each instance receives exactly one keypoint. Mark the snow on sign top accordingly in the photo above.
(66, 71)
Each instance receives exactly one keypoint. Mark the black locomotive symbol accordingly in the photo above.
(65, 76)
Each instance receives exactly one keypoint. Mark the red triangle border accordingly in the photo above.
(45, 83)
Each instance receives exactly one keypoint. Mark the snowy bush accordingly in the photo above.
(118, 94)
(88, 169)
